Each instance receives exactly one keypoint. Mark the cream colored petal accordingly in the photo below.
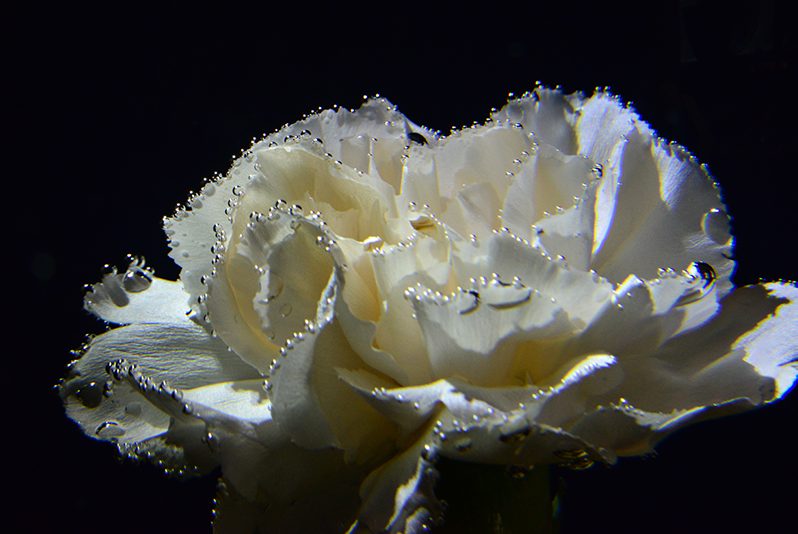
(287, 296)
(307, 391)
(353, 206)
(231, 292)
(480, 155)
(194, 228)
(581, 294)
(473, 334)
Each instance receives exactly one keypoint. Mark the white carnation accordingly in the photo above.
(360, 296)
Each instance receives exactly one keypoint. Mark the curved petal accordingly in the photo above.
(194, 228)
(137, 296)
(603, 124)
(741, 352)
(549, 113)
(398, 496)
(651, 213)
(474, 333)
(307, 390)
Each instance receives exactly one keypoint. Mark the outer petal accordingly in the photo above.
(747, 350)
(658, 208)
(136, 296)
(603, 124)
(128, 388)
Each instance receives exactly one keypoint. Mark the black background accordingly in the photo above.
(114, 117)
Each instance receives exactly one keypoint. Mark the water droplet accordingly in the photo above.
(469, 301)
(136, 279)
(109, 430)
(90, 395)
(429, 453)
(698, 270)
(416, 137)
(715, 224)
(133, 408)
(286, 309)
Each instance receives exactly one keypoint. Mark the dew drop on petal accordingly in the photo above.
(715, 224)
(136, 280)
(109, 430)
(90, 395)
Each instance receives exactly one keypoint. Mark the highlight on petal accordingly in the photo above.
(137, 296)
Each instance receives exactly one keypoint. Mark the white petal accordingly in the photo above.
(580, 294)
(182, 354)
(546, 183)
(603, 124)
(241, 399)
(127, 389)
(744, 351)
(474, 333)
(307, 391)
(482, 155)
(229, 305)
(772, 348)
(193, 231)
(549, 114)
(136, 296)
(286, 296)
(651, 213)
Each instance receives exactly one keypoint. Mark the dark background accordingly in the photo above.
(114, 117)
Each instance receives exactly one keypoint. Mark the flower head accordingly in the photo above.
(360, 296)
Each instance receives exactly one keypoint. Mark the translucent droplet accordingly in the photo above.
(715, 224)
(109, 430)
(133, 408)
(136, 279)
(416, 137)
(286, 309)
(90, 395)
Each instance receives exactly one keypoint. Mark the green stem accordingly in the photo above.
(494, 500)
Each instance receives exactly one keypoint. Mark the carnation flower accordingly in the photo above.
(360, 296)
